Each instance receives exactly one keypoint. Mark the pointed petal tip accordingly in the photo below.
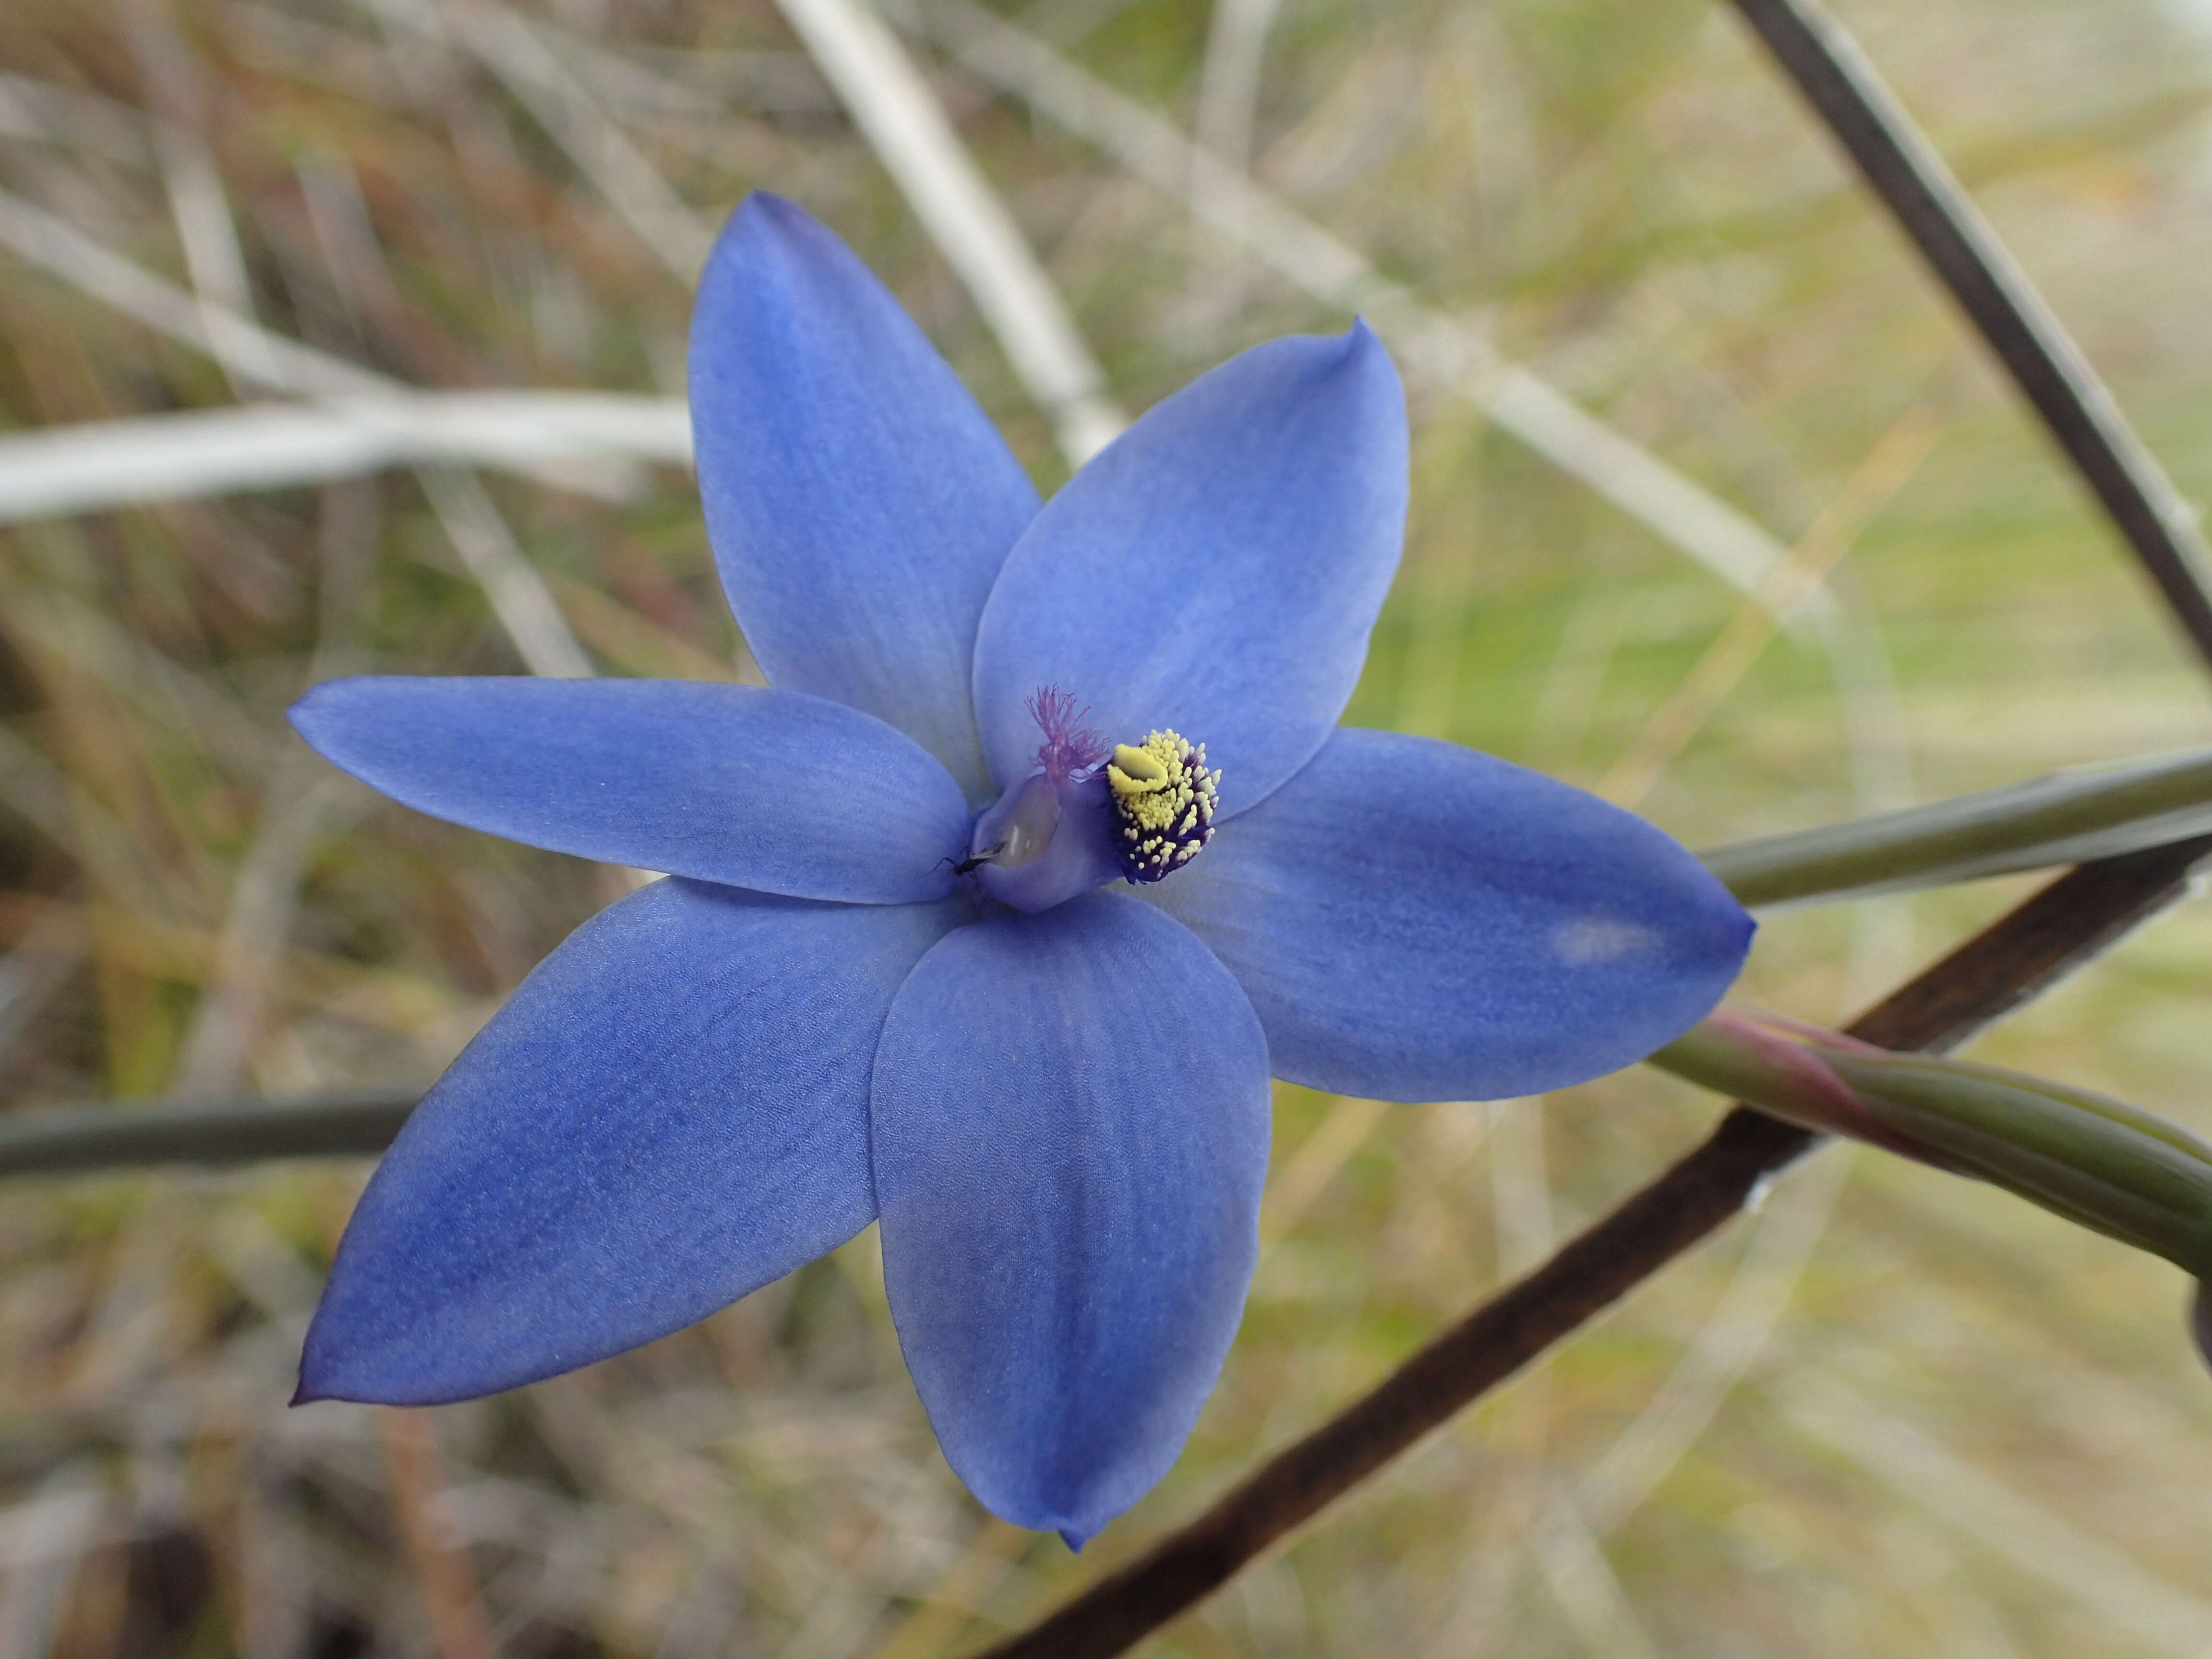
(1004, 1128)
(310, 1394)
(764, 213)
(1361, 340)
(339, 720)
(311, 710)
(1365, 354)
(1267, 497)
(318, 1383)
(1359, 352)
(1731, 931)
(314, 1393)
(692, 778)
(1075, 1541)
(320, 1371)
(858, 501)
(344, 1358)
(766, 234)
(712, 1050)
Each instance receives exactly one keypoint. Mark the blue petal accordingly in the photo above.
(768, 790)
(1071, 1134)
(671, 1112)
(1413, 920)
(858, 502)
(1216, 570)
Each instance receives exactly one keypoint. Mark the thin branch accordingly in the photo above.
(103, 1138)
(2066, 925)
(1936, 212)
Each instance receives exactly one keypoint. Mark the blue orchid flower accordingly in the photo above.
(991, 919)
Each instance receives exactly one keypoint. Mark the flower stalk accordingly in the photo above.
(2098, 1162)
(2070, 816)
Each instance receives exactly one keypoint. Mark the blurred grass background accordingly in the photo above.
(1890, 1414)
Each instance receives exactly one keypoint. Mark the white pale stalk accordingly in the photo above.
(909, 129)
(92, 466)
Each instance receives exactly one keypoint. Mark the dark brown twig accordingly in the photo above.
(2070, 922)
(91, 1138)
(1927, 203)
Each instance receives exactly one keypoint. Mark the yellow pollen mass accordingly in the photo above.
(1151, 784)
(1163, 800)
(1138, 771)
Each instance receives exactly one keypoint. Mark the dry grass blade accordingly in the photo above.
(96, 467)
(915, 142)
(243, 346)
(1228, 100)
(459, 1629)
(1712, 532)
(633, 186)
(1785, 587)
(517, 593)
(2164, 1617)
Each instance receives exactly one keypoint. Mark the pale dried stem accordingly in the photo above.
(912, 136)
(459, 1628)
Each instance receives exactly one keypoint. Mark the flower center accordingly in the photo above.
(1082, 815)
(1164, 803)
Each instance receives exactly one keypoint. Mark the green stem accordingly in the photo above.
(2100, 1163)
(2068, 818)
(2103, 1163)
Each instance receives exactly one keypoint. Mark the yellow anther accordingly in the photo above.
(1151, 782)
(1135, 771)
